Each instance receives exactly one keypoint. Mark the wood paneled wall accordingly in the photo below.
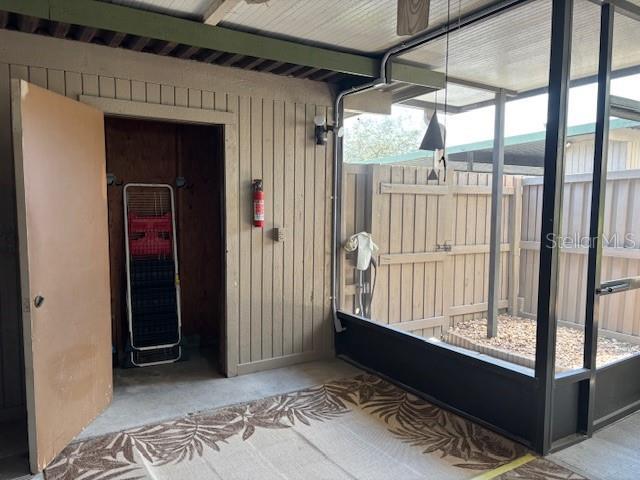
(621, 154)
(277, 306)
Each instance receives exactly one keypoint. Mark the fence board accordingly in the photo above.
(309, 205)
(380, 208)
(395, 246)
(470, 239)
(289, 216)
(419, 245)
(267, 332)
(298, 225)
(244, 139)
(408, 226)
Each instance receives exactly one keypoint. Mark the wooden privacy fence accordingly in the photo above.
(621, 254)
(434, 244)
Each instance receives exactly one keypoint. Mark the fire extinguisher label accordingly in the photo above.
(258, 210)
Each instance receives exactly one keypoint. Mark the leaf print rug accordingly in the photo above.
(355, 428)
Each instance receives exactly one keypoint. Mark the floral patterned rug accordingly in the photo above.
(355, 428)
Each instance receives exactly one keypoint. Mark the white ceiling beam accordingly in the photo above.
(218, 10)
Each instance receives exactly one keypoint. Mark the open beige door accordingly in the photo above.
(64, 263)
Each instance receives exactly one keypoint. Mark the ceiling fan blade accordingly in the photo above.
(413, 16)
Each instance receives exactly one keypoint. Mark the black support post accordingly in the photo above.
(559, 73)
(592, 314)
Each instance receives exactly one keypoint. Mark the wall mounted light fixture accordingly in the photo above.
(322, 128)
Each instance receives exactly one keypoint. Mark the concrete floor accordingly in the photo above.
(612, 454)
(153, 394)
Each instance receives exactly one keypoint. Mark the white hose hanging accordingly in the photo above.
(366, 249)
(364, 244)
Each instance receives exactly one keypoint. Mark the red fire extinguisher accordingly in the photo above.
(258, 204)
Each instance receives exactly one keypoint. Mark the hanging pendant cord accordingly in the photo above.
(443, 159)
(446, 80)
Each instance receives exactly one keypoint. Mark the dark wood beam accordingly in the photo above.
(165, 48)
(28, 24)
(307, 73)
(272, 67)
(139, 43)
(114, 39)
(212, 57)
(323, 75)
(186, 52)
(289, 69)
(253, 63)
(86, 34)
(230, 60)
(59, 30)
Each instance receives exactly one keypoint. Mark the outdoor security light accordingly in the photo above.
(322, 128)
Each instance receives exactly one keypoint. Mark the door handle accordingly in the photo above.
(609, 289)
(619, 285)
(38, 301)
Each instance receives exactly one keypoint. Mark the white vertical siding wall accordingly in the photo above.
(623, 155)
(277, 292)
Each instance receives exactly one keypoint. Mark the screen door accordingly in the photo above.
(64, 263)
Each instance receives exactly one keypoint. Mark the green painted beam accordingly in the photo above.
(33, 8)
(107, 16)
(416, 75)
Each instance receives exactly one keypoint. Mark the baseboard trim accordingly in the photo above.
(285, 361)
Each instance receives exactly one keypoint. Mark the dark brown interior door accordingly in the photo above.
(64, 263)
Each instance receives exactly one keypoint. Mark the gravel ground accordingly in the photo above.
(518, 335)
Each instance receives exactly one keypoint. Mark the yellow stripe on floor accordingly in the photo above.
(505, 468)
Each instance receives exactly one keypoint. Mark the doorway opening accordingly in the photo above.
(190, 159)
(14, 449)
